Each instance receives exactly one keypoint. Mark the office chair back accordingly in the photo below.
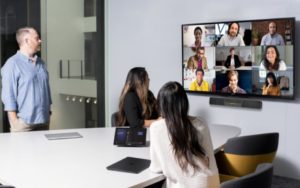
(241, 155)
(262, 177)
(114, 117)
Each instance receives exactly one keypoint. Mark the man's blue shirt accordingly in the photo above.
(268, 39)
(25, 88)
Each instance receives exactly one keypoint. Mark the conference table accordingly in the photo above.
(30, 160)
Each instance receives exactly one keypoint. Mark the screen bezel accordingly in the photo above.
(248, 95)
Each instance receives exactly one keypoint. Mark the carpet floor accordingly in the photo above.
(283, 182)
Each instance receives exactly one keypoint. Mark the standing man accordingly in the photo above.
(25, 85)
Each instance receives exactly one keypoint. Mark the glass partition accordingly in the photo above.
(68, 30)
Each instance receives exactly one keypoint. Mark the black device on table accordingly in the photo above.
(126, 136)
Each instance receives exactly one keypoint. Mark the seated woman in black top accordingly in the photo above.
(137, 107)
(232, 61)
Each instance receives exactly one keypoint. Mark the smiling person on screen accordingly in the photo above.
(232, 38)
(272, 61)
(198, 60)
(272, 38)
(233, 83)
(271, 87)
(198, 38)
(199, 84)
(233, 60)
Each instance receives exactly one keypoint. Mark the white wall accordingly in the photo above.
(148, 33)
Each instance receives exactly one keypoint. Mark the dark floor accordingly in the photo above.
(283, 182)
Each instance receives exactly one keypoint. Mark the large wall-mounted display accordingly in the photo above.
(250, 58)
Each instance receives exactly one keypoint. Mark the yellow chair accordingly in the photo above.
(241, 155)
(261, 178)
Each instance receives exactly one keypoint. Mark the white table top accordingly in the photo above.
(29, 160)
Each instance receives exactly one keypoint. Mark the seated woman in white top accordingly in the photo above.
(181, 146)
(272, 61)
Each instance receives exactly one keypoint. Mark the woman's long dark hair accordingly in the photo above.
(271, 75)
(267, 64)
(137, 80)
(173, 105)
